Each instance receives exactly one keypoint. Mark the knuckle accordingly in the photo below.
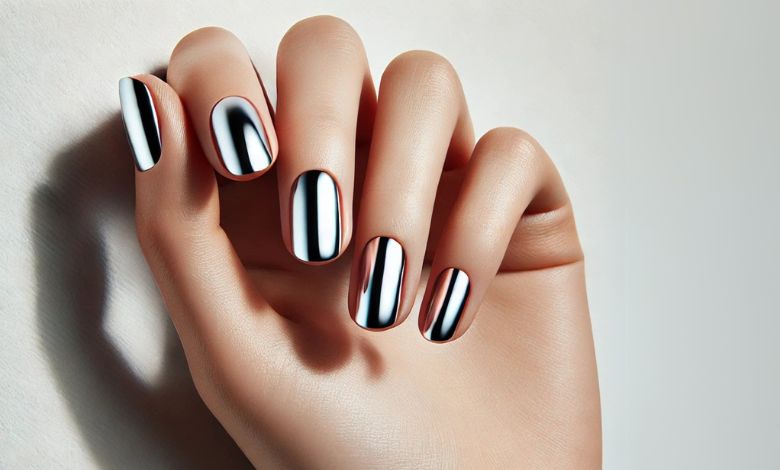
(157, 230)
(190, 56)
(323, 31)
(514, 145)
(164, 233)
(328, 119)
(430, 66)
(151, 229)
(209, 34)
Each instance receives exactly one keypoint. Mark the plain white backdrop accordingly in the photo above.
(662, 117)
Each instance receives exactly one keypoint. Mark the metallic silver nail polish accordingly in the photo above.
(381, 280)
(239, 135)
(316, 217)
(140, 119)
(448, 300)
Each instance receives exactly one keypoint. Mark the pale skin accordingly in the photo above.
(269, 339)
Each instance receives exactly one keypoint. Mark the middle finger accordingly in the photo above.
(322, 76)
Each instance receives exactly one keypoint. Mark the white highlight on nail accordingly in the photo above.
(328, 216)
(388, 299)
(324, 217)
(299, 222)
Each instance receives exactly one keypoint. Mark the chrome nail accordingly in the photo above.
(448, 300)
(239, 135)
(140, 119)
(316, 217)
(381, 280)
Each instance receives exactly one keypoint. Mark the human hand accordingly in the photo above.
(259, 271)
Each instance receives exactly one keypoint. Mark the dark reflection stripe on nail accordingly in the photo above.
(239, 136)
(448, 300)
(381, 279)
(140, 119)
(316, 217)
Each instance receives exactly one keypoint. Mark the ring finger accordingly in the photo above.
(421, 122)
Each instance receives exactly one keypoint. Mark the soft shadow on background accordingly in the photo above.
(126, 422)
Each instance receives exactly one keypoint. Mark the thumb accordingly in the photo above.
(206, 289)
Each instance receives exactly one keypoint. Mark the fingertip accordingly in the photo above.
(442, 315)
(378, 285)
(139, 116)
(224, 97)
(244, 141)
(316, 219)
(150, 104)
(174, 180)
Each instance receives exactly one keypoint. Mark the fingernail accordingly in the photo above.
(240, 137)
(447, 303)
(141, 126)
(316, 217)
(381, 278)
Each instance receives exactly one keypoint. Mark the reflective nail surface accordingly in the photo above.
(447, 303)
(241, 141)
(140, 119)
(316, 217)
(381, 279)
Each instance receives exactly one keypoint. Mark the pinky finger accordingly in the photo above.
(508, 175)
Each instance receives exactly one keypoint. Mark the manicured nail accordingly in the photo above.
(448, 301)
(141, 126)
(240, 137)
(316, 217)
(381, 278)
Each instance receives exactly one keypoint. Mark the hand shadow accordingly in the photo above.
(126, 422)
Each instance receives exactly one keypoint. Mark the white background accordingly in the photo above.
(662, 117)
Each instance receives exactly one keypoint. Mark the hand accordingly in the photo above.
(367, 202)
